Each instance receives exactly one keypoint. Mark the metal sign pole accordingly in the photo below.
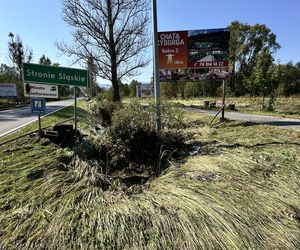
(75, 110)
(40, 124)
(223, 102)
(156, 67)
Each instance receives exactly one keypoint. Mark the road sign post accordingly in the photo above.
(75, 110)
(38, 105)
(41, 74)
(156, 67)
(223, 102)
(40, 124)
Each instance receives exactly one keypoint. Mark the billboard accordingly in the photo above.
(144, 90)
(193, 54)
(8, 90)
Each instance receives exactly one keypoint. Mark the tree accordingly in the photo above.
(113, 32)
(258, 81)
(17, 54)
(132, 88)
(45, 61)
(289, 79)
(262, 79)
(246, 44)
(124, 90)
(7, 70)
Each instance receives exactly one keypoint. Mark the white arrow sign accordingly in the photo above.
(40, 90)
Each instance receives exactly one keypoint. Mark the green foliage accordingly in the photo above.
(64, 91)
(45, 60)
(102, 111)
(131, 140)
(184, 90)
(132, 88)
(246, 44)
(173, 89)
(271, 103)
(260, 80)
(105, 94)
(18, 54)
(124, 90)
(289, 79)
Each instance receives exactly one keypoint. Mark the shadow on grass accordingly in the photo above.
(236, 145)
(213, 148)
(283, 123)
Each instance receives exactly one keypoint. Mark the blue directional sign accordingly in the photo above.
(38, 105)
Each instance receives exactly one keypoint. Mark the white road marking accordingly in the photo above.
(35, 119)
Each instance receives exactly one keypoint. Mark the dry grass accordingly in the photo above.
(284, 106)
(241, 191)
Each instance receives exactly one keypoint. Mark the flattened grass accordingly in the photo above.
(241, 191)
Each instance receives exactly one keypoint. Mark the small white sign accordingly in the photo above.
(144, 90)
(40, 90)
(8, 90)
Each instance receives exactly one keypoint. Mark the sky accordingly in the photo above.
(39, 24)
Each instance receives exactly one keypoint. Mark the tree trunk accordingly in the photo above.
(232, 80)
(113, 55)
(115, 84)
(263, 102)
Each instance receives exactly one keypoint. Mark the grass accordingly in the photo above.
(240, 191)
(284, 106)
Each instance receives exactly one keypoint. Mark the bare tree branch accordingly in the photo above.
(114, 33)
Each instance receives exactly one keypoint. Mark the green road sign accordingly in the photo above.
(54, 75)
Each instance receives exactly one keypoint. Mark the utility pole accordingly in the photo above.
(156, 66)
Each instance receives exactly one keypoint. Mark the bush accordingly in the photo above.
(103, 110)
(131, 141)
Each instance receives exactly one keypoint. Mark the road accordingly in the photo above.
(12, 120)
(260, 119)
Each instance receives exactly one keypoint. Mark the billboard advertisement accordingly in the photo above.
(172, 49)
(194, 54)
(8, 90)
(144, 90)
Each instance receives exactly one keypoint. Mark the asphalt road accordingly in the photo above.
(260, 119)
(12, 120)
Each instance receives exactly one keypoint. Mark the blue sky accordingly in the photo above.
(39, 23)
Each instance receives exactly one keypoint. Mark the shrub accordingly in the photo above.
(131, 141)
(102, 111)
